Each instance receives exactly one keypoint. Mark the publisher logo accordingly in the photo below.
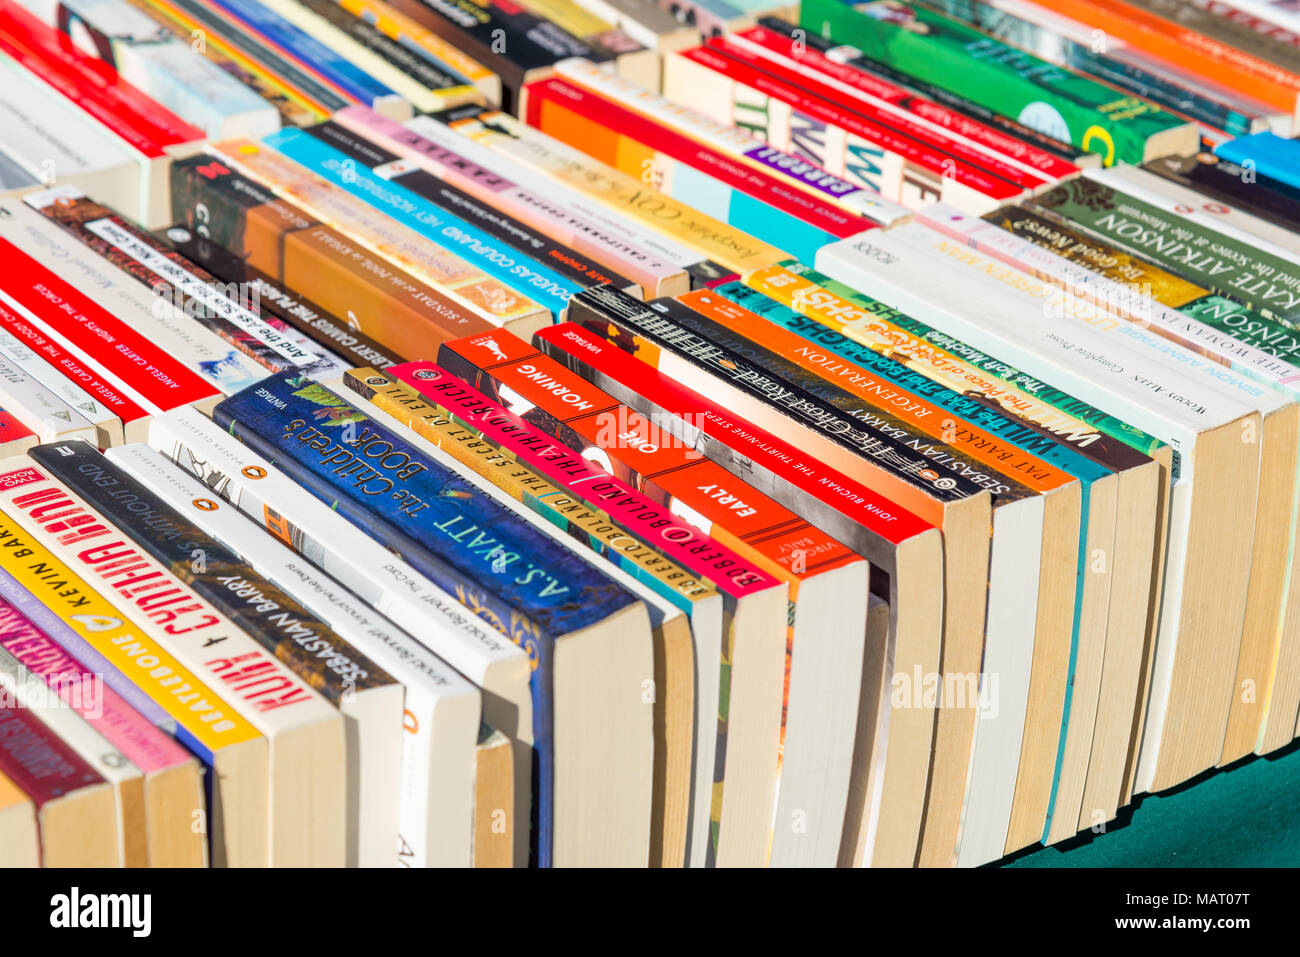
(129, 911)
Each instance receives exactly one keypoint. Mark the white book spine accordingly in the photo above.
(39, 409)
(433, 822)
(16, 352)
(330, 542)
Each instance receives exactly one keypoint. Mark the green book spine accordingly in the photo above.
(1058, 102)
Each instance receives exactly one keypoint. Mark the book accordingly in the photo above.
(327, 540)
(1233, 185)
(742, 197)
(651, 25)
(894, 541)
(1206, 427)
(64, 718)
(75, 807)
(278, 304)
(367, 697)
(494, 788)
(522, 219)
(234, 754)
(303, 730)
(158, 65)
(1193, 250)
(561, 407)
(550, 597)
(171, 786)
(564, 213)
(441, 712)
(633, 58)
(21, 840)
(712, 249)
(42, 411)
(1058, 101)
(160, 357)
(358, 166)
(538, 478)
(189, 287)
(426, 44)
(473, 291)
(846, 142)
(730, 141)
(15, 438)
(670, 631)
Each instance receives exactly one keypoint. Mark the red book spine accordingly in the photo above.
(725, 169)
(11, 430)
(853, 499)
(935, 161)
(36, 758)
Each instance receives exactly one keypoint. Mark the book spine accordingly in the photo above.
(388, 183)
(742, 196)
(120, 725)
(456, 280)
(844, 357)
(1146, 294)
(482, 203)
(37, 758)
(936, 48)
(870, 454)
(164, 69)
(272, 618)
(1233, 185)
(169, 276)
(1232, 268)
(847, 143)
(277, 302)
(860, 517)
(591, 229)
(793, 172)
(694, 562)
(175, 362)
(1197, 52)
(327, 540)
(855, 98)
(710, 17)
(46, 617)
(967, 370)
(652, 26)
(40, 409)
(426, 680)
(425, 43)
(93, 86)
(1269, 155)
(12, 349)
(716, 247)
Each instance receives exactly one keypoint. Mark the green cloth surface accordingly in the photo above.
(1245, 816)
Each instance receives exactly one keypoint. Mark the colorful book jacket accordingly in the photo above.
(510, 574)
(1272, 157)
(1060, 102)
(269, 615)
(1233, 185)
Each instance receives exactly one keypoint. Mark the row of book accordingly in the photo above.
(433, 451)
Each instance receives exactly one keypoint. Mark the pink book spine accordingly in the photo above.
(679, 541)
(85, 692)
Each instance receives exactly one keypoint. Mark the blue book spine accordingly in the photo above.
(526, 277)
(1269, 155)
(309, 51)
(512, 575)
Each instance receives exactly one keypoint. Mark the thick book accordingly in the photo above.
(1056, 100)
(743, 197)
(468, 288)
(589, 226)
(586, 633)
(171, 785)
(899, 545)
(1116, 366)
(233, 828)
(329, 542)
(306, 745)
(368, 698)
(707, 248)
(441, 712)
(75, 806)
(559, 406)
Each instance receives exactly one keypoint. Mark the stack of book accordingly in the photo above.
(593, 432)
